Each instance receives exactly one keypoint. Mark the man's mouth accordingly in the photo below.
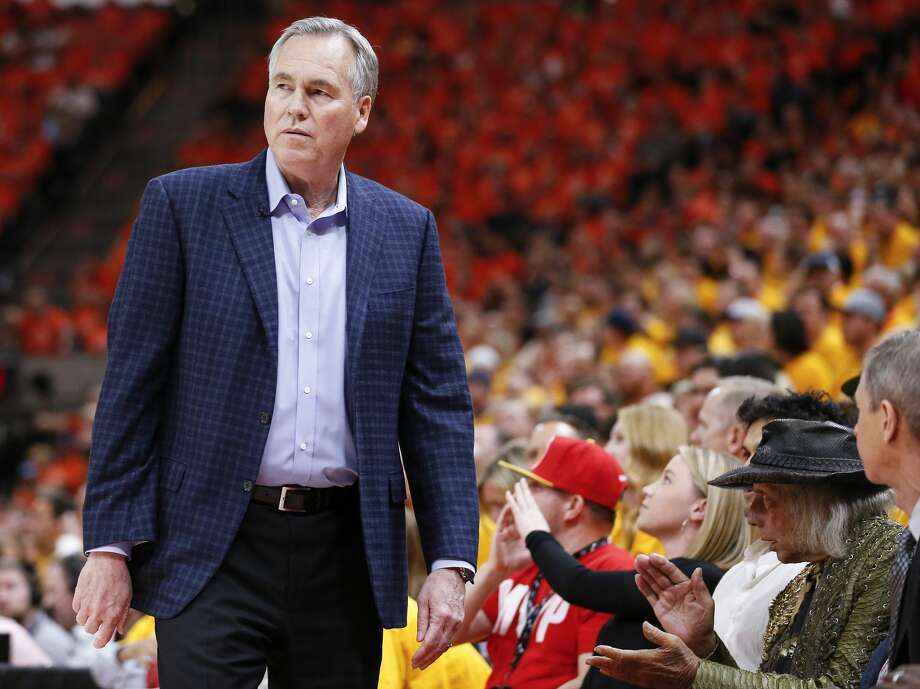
(296, 132)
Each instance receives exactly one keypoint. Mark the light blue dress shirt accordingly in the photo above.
(309, 441)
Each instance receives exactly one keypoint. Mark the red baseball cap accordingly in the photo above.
(580, 467)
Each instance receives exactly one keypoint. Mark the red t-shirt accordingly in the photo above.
(560, 634)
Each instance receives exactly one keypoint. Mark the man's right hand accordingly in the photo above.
(103, 596)
(509, 554)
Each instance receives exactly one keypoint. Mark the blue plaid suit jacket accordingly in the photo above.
(189, 387)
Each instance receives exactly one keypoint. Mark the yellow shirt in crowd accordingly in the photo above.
(140, 630)
(900, 245)
(830, 345)
(461, 667)
(809, 371)
(486, 534)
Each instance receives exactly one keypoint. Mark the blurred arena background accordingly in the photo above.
(634, 196)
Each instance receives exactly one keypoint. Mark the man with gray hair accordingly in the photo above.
(888, 437)
(281, 348)
(718, 426)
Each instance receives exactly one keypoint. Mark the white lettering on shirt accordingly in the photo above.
(512, 602)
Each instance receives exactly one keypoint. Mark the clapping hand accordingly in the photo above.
(683, 606)
(509, 554)
(672, 665)
(524, 509)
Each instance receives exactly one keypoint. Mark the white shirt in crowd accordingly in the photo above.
(743, 598)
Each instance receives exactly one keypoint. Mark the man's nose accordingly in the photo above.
(297, 106)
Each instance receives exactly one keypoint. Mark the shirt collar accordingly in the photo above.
(279, 191)
(914, 523)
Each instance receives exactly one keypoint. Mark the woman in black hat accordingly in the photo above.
(813, 503)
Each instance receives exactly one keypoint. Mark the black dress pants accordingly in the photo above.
(294, 594)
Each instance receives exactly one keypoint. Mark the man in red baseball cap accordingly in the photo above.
(535, 639)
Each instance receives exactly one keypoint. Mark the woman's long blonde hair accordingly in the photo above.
(654, 434)
(724, 533)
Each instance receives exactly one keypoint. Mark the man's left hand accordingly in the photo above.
(670, 666)
(440, 612)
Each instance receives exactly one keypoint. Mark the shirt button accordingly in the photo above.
(309, 281)
(303, 446)
(306, 390)
(264, 418)
(293, 202)
(247, 486)
(309, 335)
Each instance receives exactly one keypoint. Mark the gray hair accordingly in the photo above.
(733, 390)
(891, 371)
(364, 71)
(824, 514)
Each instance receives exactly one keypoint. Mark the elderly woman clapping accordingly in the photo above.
(813, 503)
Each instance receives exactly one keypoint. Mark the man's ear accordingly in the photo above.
(891, 421)
(736, 433)
(364, 112)
(575, 506)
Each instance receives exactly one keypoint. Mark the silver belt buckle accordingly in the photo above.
(284, 491)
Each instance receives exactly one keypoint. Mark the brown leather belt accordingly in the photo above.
(302, 499)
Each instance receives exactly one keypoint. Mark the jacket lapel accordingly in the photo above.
(909, 603)
(366, 226)
(249, 223)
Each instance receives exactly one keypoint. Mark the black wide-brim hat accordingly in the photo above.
(796, 451)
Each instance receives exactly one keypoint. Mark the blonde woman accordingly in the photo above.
(644, 439)
(702, 529)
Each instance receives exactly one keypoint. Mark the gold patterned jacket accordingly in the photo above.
(846, 620)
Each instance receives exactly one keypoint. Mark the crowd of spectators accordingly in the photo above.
(663, 224)
(56, 75)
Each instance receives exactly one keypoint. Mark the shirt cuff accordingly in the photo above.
(442, 564)
(122, 548)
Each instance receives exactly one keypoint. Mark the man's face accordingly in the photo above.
(752, 439)
(15, 597)
(592, 396)
(870, 440)
(809, 308)
(713, 429)
(768, 509)
(310, 111)
(704, 380)
(552, 504)
(858, 330)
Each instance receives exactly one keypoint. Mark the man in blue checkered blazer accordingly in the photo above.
(281, 334)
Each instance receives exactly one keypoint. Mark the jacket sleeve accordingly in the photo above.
(604, 591)
(436, 418)
(864, 628)
(121, 502)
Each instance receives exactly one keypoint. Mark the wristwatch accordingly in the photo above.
(465, 574)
